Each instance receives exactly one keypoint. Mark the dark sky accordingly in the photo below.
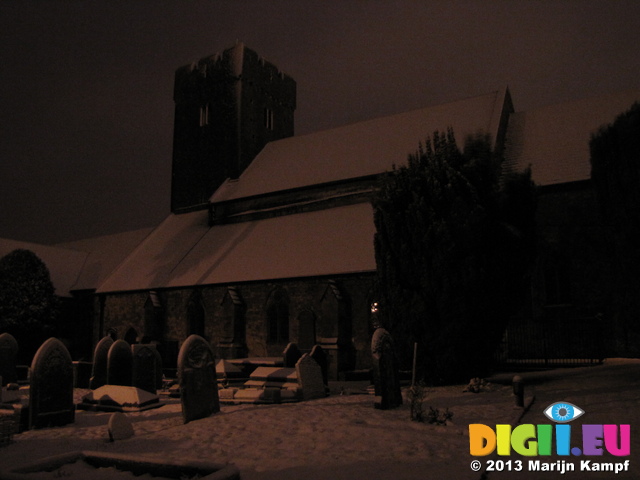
(86, 109)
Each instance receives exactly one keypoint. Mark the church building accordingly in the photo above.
(270, 235)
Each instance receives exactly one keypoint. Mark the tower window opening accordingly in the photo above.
(268, 118)
(204, 115)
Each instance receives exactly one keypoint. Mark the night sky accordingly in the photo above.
(86, 108)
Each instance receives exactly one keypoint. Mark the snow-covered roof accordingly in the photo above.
(104, 254)
(184, 251)
(554, 140)
(360, 149)
(64, 264)
(81, 264)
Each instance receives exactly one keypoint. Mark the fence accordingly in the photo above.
(561, 342)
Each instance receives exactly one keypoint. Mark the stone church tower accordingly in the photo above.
(227, 108)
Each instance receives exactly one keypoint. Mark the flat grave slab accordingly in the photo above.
(119, 398)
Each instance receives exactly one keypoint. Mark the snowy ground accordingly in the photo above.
(344, 437)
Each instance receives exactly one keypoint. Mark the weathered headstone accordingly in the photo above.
(8, 354)
(100, 356)
(144, 367)
(119, 427)
(291, 355)
(310, 378)
(51, 392)
(159, 374)
(385, 371)
(197, 379)
(320, 356)
(119, 364)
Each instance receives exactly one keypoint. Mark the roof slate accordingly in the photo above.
(360, 149)
(104, 254)
(183, 251)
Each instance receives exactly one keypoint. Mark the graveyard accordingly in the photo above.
(194, 426)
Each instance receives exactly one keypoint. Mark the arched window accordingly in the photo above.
(231, 316)
(153, 317)
(278, 316)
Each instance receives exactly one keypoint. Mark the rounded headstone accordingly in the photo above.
(197, 378)
(100, 356)
(120, 427)
(51, 389)
(120, 364)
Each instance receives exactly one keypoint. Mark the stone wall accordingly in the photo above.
(235, 319)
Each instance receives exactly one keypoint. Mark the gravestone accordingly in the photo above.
(119, 427)
(159, 374)
(119, 398)
(197, 379)
(310, 378)
(320, 356)
(385, 371)
(51, 392)
(119, 364)
(144, 367)
(291, 355)
(8, 354)
(100, 356)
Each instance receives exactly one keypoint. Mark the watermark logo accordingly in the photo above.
(531, 440)
(562, 412)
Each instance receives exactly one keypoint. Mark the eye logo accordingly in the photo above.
(563, 412)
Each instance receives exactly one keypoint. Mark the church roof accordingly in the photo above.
(81, 264)
(103, 255)
(184, 251)
(360, 149)
(554, 140)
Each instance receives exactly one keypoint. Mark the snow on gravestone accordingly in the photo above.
(119, 364)
(385, 371)
(99, 369)
(8, 354)
(51, 391)
(144, 367)
(197, 379)
(310, 378)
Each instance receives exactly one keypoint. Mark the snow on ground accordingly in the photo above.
(343, 436)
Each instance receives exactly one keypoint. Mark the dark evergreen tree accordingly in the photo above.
(615, 172)
(28, 304)
(454, 242)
